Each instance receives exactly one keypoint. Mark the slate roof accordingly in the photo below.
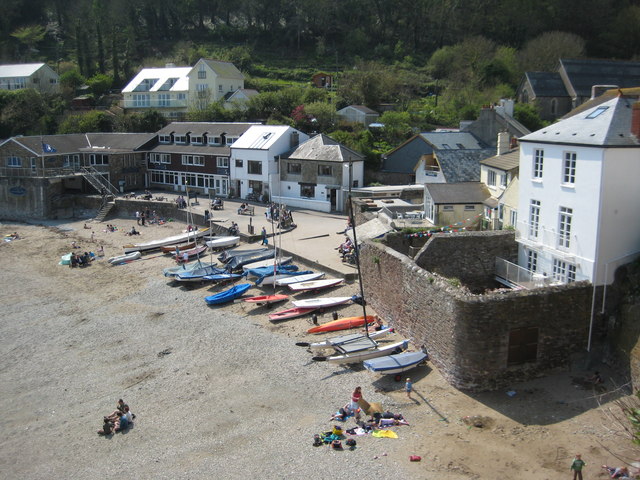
(458, 193)
(611, 128)
(462, 165)
(506, 161)
(584, 73)
(546, 84)
(324, 148)
(632, 93)
(19, 70)
(210, 128)
(221, 150)
(81, 142)
(454, 140)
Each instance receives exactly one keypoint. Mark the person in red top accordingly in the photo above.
(355, 396)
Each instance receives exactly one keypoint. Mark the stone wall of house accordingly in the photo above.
(468, 256)
(467, 335)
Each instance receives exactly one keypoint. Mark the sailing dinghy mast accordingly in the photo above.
(357, 257)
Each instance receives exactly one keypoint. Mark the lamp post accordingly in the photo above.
(350, 167)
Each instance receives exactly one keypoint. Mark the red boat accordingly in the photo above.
(191, 252)
(290, 313)
(341, 324)
(182, 246)
(266, 299)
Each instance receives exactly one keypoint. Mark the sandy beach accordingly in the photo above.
(221, 391)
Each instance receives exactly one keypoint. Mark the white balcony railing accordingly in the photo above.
(549, 239)
(519, 277)
(154, 103)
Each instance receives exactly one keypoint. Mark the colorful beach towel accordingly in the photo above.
(384, 434)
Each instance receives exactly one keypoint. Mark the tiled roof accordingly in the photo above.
(77, 142)
(547, 84)
(458, 193)
(462, 165)
(224, 69)
(584, 73)
(322, 147)
(211, 128)
(506, 161)
(452, 140)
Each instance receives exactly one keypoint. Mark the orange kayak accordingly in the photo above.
(341, 324)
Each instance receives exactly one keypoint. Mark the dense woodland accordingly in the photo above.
(437, 61)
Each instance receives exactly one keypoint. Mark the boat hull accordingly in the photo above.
(124, 258)
(281, 282)
(357, 357)
(335, 342)
(181, 246)
(315, 285)
(324, 302)
(222, 242)
(266, 299)
(228, 295)
(156, 244)
(341, 324)
(290, 313)
(394, 364)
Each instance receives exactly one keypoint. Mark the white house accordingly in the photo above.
(358, 114)
(173, 90)
(38, 76)
(253, 163)
(239, 98)
(318, 175)
(579, 195)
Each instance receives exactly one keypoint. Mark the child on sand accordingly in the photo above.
(408, 387)
(576, 466)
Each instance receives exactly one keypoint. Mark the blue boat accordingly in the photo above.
(227, 295)
(393, 364)
(219, 277)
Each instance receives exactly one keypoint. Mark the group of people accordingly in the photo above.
(181, 202)
(376, 420)
(133, 231)
(146, 216)
(111, 228)
(243, 208)
(217, 204)
(621, 473)
(346, 249)
(83, 260)
(118, 421)
(279, 214)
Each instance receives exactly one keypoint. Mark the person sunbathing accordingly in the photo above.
(619, 472)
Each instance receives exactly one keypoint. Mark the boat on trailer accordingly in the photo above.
(340, 340)
(354, 352)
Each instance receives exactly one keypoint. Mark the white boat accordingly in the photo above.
(340, 340)
(222, 242)
(281, 282)
(124, 258)
(272, 279)
(315, 284)
(394, 364)
(155, 244)
(353, 354)
(267, 263)
(174, 271)
(323, 302)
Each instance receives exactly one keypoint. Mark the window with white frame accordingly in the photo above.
(564, 272)
(538, 163)
(215, 140)
(71, 161)
(230, 140)
(98, 159)
(325, 170)
(164, 138)
(164, 99)
(513, 217)
(534, 218)
(564, 227)
(532, 261)
(503, 180)
(202, 72)
(447, 208)
(569, 170)
(196, 140)
(197, 160)
(222, 162)
(160, 158)
(180, 138)
(13, 161)
(491, 178)
(140, 100)
(182, 96)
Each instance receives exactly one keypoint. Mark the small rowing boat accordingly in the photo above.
(315, 284)
(341, 324)
(222, 242)
(323, 302)
(181, 247)
(124, 258)
(192, 252)
(156, 244)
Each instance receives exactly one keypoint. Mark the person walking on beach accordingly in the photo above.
(264, 236)
(355, 397)
(408, 387)
(577, 466)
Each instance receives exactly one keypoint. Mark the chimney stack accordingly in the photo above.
(503, 143)
(635, 120)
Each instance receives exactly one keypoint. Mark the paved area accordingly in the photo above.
(315, 239)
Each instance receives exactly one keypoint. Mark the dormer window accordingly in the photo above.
(215, 141)
(196, 140)
(180, 138)
(164, 138)
(230, 140)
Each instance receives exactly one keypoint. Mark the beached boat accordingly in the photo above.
(228, 295)
(221, 277)
(341, 324)
(239, 261)
(65, 259)
(272, 279)
(315, 284)
(352, 353)
(186, 267)
(290, 313)
(227, 255)
(322, 302)
(281, 282)
(268, 270)
(124, 258)
(267, 263)
(340, 340)
(266, 299)
(156, 244)
(180, 246)
(394, 364)
(197, 274)
(222, 242)
(192, 252)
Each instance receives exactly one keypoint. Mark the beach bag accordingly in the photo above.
(317, 441)
(336, 445)
(351, 442)
(337, 430)
(415, 458)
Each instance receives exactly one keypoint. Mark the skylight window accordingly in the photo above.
(597, 112)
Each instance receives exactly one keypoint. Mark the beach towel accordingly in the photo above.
(384, 434)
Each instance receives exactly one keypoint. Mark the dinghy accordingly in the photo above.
(268, 270)
(272, 279)
(124, 258)
(227, 255)
(222, 242)
(239, 261)
(345, 339)
(341, 324)
(281, 282)
(180, 246)
(227, 295)
(315, 284)
(193, 252)
(221, 277)
(187, 267)
(394, 364)
(266, 299)
(290, 313)
(323, 302)
(156, 244)
(351, 353)
(267, 263)
(197, 274)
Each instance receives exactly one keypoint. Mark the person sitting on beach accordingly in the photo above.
(243, 208)
(342, 414)
(107, 427)
(74, 244)
(133, 231)
(87, 227)
(376, 325)
(121, 424)
(101, 251)
(73, 260)
(617, 472)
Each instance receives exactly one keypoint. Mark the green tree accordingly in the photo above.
(22, 112)
(100, 84)
(527, 115)
(323, 116)
(543, 52)
(92, 121)
(397, 127)
(30, 36)
(70, 81)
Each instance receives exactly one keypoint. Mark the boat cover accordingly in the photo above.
(395, 362)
